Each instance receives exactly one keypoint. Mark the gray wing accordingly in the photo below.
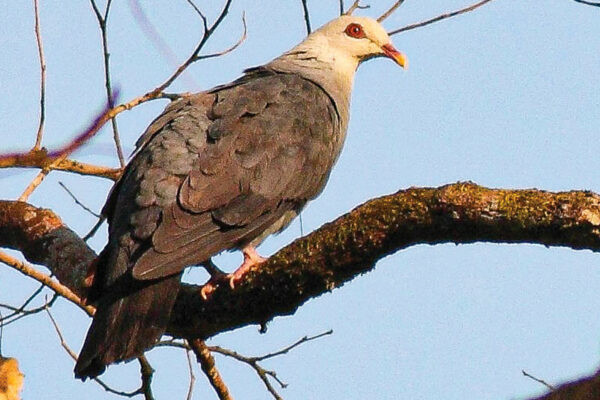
(218, 169)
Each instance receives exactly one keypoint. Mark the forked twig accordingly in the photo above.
(439, 18)
(354, 6)
(102, 23)
(230, 49)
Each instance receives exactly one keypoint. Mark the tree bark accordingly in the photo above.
(337, 252)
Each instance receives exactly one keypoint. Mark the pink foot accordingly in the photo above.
(217, 277)
(251, 258)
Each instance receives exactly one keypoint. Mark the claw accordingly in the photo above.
(251, 258)
(216, 277)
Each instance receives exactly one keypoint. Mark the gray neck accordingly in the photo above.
(310, 65)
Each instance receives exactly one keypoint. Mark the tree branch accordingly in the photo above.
(589, 3)
(440, 17)
(335, 253)
(40, 46)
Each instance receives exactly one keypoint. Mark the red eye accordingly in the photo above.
(355, 31)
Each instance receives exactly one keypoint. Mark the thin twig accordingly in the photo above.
(147, 373)
(589, 3)
(57, 157)
(34, 184)
(230, 49)
(253, 362)
(79, 203)
(390, 11)
(46, 280)
(549, 386)
(439, 18)
(342, 7)
(73, 355)
(207, 363)
(192, 376)
(94, 229)
(299, 342)
(102, 23)
(20, 312)
(200, 13)
(306, 17)
(354, 6)
(38, 37)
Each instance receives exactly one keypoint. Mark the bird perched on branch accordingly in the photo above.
(221, 170)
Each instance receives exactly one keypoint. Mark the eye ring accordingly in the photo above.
(355, 30)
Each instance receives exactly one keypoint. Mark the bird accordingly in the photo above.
(221, 170)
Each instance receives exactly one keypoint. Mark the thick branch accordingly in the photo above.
(338, 251)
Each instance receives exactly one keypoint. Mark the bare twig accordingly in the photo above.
(46, 280)
(34, 184)
(263, 373)
(439, 18)
(589, 3)
(20, 312)
(354, 6)
(79, 203)
(230, 49)
(94, 229)
(73, 355)
(192, 376)
(549, 386)
(390, 11)
(40, 159)
(306, 17)
(299, 342)
(200, 13)
(57, 157)
(207, 363)
(342, 7)
(102, 23)
(38, 37)
(147, 373)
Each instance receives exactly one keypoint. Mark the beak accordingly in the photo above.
(390, 51)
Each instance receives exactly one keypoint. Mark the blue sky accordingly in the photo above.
(506, 96)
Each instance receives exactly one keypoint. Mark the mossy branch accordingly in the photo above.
(338, 251)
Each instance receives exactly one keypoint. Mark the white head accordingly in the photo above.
(331, 54)
(357, 38)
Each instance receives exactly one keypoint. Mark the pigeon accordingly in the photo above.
(221, 170)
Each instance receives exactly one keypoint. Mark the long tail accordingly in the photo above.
(125, 327)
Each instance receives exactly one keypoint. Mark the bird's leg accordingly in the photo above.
(216, 277)
(251, 258)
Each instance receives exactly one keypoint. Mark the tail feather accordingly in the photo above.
(124, 327)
